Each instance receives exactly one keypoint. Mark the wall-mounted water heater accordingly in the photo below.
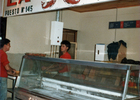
(56, 32)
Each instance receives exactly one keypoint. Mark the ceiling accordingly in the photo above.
(106, 5)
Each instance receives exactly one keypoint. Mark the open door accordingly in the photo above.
(71, 36)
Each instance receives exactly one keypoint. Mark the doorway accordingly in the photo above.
(71, 36)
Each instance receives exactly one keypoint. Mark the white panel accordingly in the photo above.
(1, 7)
(56, 32)
(100, 52)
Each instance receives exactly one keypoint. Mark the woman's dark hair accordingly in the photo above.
(3, 42)
(67, 43)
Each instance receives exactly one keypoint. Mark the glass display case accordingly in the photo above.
(43, 78)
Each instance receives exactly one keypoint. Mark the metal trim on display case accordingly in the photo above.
(31, 95)
(21, 68)
(126, 84)
(88, 63)
(86, 88)
(139, 83)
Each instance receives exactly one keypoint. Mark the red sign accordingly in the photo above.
(72, 1)
(10, 3)
(138, 24)
(49, 3)
(18, 7)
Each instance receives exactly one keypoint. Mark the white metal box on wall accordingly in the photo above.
(101, 52)
(56, 32)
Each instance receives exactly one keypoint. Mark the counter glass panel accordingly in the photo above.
(74, 79)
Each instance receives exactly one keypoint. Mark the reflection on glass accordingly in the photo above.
(40, 74)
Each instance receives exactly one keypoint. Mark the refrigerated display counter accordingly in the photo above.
(83, 80)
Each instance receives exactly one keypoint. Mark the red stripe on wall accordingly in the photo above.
(121, 26)
(137, 23)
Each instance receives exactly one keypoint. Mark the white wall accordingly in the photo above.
(71, 19)
(1, 7)
(30, 33)
(94, 29)
(131, 35)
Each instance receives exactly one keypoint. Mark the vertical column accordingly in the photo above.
(3, 24)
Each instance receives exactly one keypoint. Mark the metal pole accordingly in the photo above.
(57, 19)
(139, 83)
(55, 50)
(116, 20)
(13, 89)
(51, 51)
(58, 15)
(126, 84)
